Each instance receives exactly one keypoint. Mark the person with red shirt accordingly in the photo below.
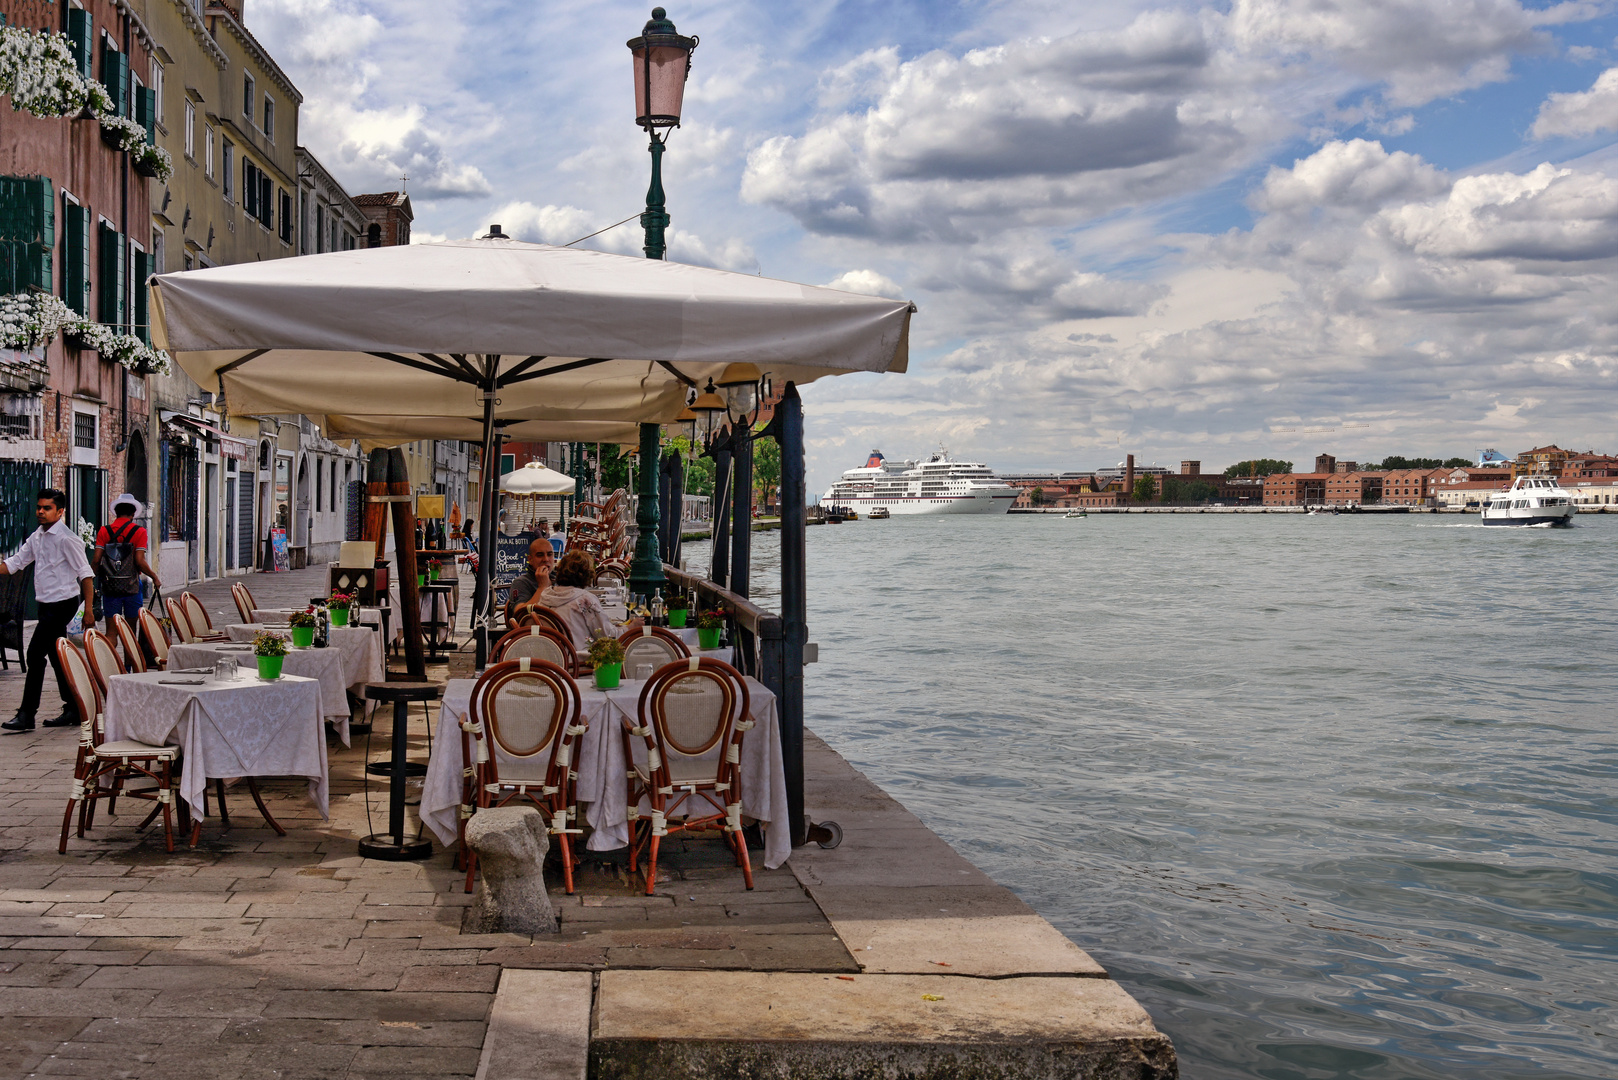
(120, 559)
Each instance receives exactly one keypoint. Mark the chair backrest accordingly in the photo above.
(538, 642)
(244, 601)
(177, 619)
(529, 712)
(81, 683)
(104, 662)
(692, 708)
(543, 617)
(154, 636)
(196, 614)
(651, 645)
(134, 655)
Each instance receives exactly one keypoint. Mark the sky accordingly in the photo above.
(1256, 228)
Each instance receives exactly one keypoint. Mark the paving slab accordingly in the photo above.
(539, 1027)
(790, 1026)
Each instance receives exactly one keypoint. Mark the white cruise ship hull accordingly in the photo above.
(985, 503)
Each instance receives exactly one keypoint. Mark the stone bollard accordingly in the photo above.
(511, 842)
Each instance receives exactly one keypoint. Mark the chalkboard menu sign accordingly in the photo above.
(510, 560)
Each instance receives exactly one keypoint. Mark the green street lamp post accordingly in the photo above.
(662, 64)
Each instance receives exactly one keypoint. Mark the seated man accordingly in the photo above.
(524, 593)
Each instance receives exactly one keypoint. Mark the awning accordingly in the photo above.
(229, 445)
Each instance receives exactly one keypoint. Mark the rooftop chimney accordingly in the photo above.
(1129, 476)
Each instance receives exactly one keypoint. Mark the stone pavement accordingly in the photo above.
(258, 955)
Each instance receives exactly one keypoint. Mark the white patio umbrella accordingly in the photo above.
(503, 329)
(535, 478)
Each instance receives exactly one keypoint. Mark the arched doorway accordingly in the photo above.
(373, 235)
(300, 516)
(135, 474)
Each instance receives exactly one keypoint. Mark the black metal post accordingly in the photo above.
(664, 482)
(646, 571)
(675, 513)
(794, 605)
(719, 563)
(741, 541)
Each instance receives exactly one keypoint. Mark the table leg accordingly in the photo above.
(394, 845)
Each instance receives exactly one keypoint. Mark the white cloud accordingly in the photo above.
(1581, 113)
(868, 282)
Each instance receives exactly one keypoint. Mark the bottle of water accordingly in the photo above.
(657, 608)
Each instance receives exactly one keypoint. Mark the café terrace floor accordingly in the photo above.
(254, 955)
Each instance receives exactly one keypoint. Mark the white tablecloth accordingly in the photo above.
(323, 665)
(361, 649)
(603, 786)
(247, 727)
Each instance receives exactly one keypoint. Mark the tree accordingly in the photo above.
(1389, 464)
(1145, 488)
(1176, 490)
(614, 468)
(1259, 467)
(1457, 463)
(766, 469)
(698, 472)
(1037, 496)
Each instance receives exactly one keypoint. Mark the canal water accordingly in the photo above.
(1331, 796)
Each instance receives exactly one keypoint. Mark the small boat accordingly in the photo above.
(878, 513)
(1075, 514)
(1532, 500)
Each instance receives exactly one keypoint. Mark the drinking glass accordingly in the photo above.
(643, 672)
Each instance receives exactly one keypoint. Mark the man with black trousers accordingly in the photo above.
(63, 584)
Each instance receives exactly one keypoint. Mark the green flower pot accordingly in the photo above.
(421, 580)
(432, 575)
(269, 667)
(302, 637)
(708, 639)
(607, 676)
(677, 618)
(339, 616)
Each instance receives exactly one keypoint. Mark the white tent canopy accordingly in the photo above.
(564, 334)
(535, 478)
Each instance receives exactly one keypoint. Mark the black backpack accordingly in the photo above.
(119, 574)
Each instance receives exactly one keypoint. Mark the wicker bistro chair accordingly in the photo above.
(154, 638)
(525, 720)
(543, 617)
(692, 716)
(103, 658)
(111, 762)
(196, 617)
(134, 655)
(651, 645)
(539, 642)
(244, 601)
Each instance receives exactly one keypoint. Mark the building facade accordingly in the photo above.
(73, 231)
(388, 217)
(330, 220)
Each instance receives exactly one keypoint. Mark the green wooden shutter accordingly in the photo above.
(143, 270)
(111, 282)
(80, 34)
(146, 112)
(27, 232)
(75, 258)
(115, 76)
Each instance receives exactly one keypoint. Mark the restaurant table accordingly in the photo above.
(243, 727)
(361, 649)
(368, 615)
(603, 784)
(325, 666)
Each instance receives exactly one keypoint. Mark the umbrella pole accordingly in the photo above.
(404, 542)
(486, 534)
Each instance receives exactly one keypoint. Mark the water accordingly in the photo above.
(1332, 797)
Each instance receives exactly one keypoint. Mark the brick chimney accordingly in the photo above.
(1129, 476)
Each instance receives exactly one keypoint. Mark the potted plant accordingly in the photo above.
(338, 605)
(434, 568)
(303, 629)
(607, 657)
(709, 625)
(678, 607)
(271, 651)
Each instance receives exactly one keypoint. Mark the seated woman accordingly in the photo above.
(569, 597)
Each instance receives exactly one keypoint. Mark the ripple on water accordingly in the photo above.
(1333, 797)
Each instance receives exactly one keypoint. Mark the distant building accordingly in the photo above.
(1589, 465)
(1325, 463)
(1354, 489)
(388, 216)
(1295, 489)
(1540, 461)
(1593, 492)
(331, 221)
(1190, 468)
(1411, 487)
(1464, 493)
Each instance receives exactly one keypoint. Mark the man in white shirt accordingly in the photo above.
(63, 584)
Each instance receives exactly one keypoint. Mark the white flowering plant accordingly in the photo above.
(38, 73)
(29, 320)
(87, 533)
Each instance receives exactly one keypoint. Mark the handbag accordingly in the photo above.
(160, 611)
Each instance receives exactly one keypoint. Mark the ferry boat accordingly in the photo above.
(938, 485)
(1532, 500)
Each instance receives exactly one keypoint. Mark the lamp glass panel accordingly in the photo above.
(667, 78)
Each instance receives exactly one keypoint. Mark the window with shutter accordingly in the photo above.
(80, 35)
(75, 256)
(227, 159)
(27, 233)
(266, 200)
(286, 218)
(249, 188)
(147, 113)
(247, 97)
(111, 281)
(143, 270)
(115, 76)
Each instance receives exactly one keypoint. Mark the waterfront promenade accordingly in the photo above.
(256, 955)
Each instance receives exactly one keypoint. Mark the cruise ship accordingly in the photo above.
(935, 486)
